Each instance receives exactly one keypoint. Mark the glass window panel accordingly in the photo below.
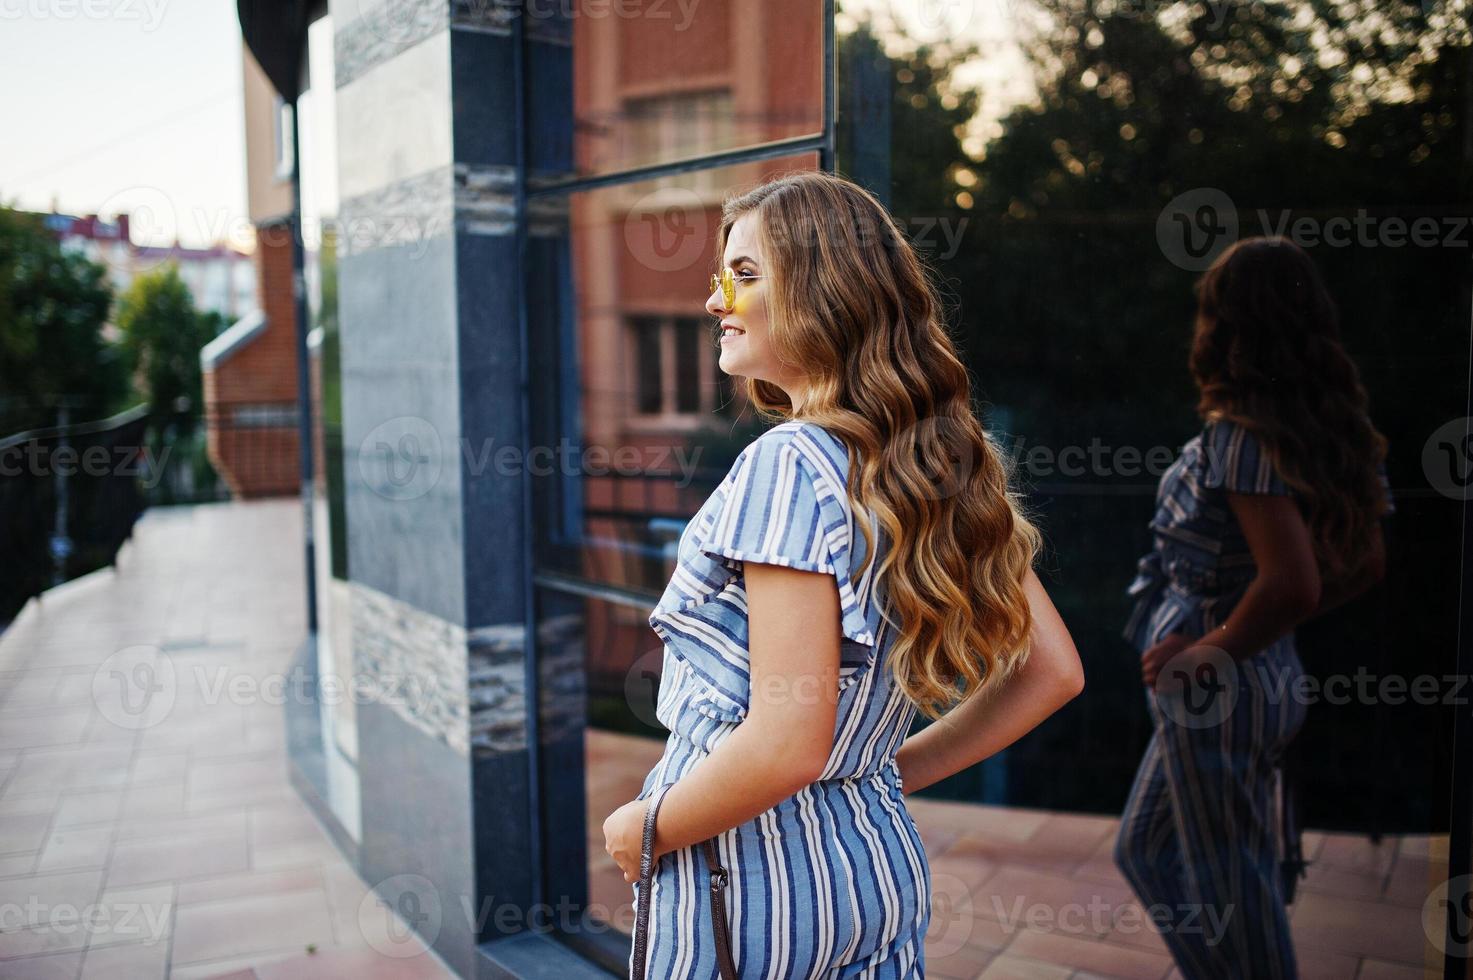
(600, 262)
(649, 391)
(1070, 193)
(334, 642)
(620, 86)
(689, 335)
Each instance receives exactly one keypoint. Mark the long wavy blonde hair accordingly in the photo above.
(854, 308)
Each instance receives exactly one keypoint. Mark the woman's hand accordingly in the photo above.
(1162, 653)
(624, 835)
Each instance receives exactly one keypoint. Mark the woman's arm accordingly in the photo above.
(982, 726)
(1286, 589)
(785, 741)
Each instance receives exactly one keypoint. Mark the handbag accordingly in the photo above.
(719, 878)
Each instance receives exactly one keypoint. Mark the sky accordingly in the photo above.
(135, 105)
(126, 105)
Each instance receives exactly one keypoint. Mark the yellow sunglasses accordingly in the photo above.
(726, 281)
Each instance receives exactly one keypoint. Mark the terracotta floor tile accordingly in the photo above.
(247, 883)
(135, 915)
(1006, 967)
(24, 831)
(244, 926)
(280, 824)
(1412, 879)
(155, 800)
(234, 823)
(1382, 970)
(960, 964)
(175, 858)
(1318, 964)
(76, 847)
(59, 966)
(14, 804)
(1369, 929)
(360, 964)
(1133, 927)
(1023, 897)
(83, 808)
(1356, 852)
(22, 863)
(36, 899)
(1099, 958)
(42, 939)
(126, 961)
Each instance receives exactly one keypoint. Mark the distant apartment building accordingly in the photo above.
(220, 277)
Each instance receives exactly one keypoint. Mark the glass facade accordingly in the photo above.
(317, 127)
(614, 90)
(1037, 162)
(1068, 169)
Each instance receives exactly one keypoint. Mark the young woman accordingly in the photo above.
(1268, 517)
(825, 591)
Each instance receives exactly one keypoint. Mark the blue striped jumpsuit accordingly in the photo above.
(1198, 837)
(833, 881)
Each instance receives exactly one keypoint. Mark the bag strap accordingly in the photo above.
(646, 882)
(718, 875)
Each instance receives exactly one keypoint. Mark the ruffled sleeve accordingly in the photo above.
(780, 507)
(1235, 459)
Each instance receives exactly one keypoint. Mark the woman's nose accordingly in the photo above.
(715, 303)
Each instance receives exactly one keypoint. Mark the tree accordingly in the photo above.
(162, 334)
(53, 305)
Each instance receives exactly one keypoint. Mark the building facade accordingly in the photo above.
(487, 294)
(219, 277)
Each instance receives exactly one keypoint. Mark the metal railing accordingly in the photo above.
(69, 496)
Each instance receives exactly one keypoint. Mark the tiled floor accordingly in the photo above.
(160, 838)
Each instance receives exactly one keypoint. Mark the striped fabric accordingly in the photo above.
(1201, 564)
(1198, 837)
(833, 881)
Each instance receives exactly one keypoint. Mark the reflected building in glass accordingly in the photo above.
(518, 406)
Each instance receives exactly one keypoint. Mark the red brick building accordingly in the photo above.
(250, 370)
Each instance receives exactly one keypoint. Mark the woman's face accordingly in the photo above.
(746, 348)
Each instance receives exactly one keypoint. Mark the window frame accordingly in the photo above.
(606, 948)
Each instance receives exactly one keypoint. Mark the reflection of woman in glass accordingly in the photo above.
(786, 689)
(1268, 517)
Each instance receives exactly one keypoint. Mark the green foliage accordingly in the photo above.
(162, 335)
(1075, 323)
(53, 306)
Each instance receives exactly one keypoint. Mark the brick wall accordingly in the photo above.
(251, 396)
